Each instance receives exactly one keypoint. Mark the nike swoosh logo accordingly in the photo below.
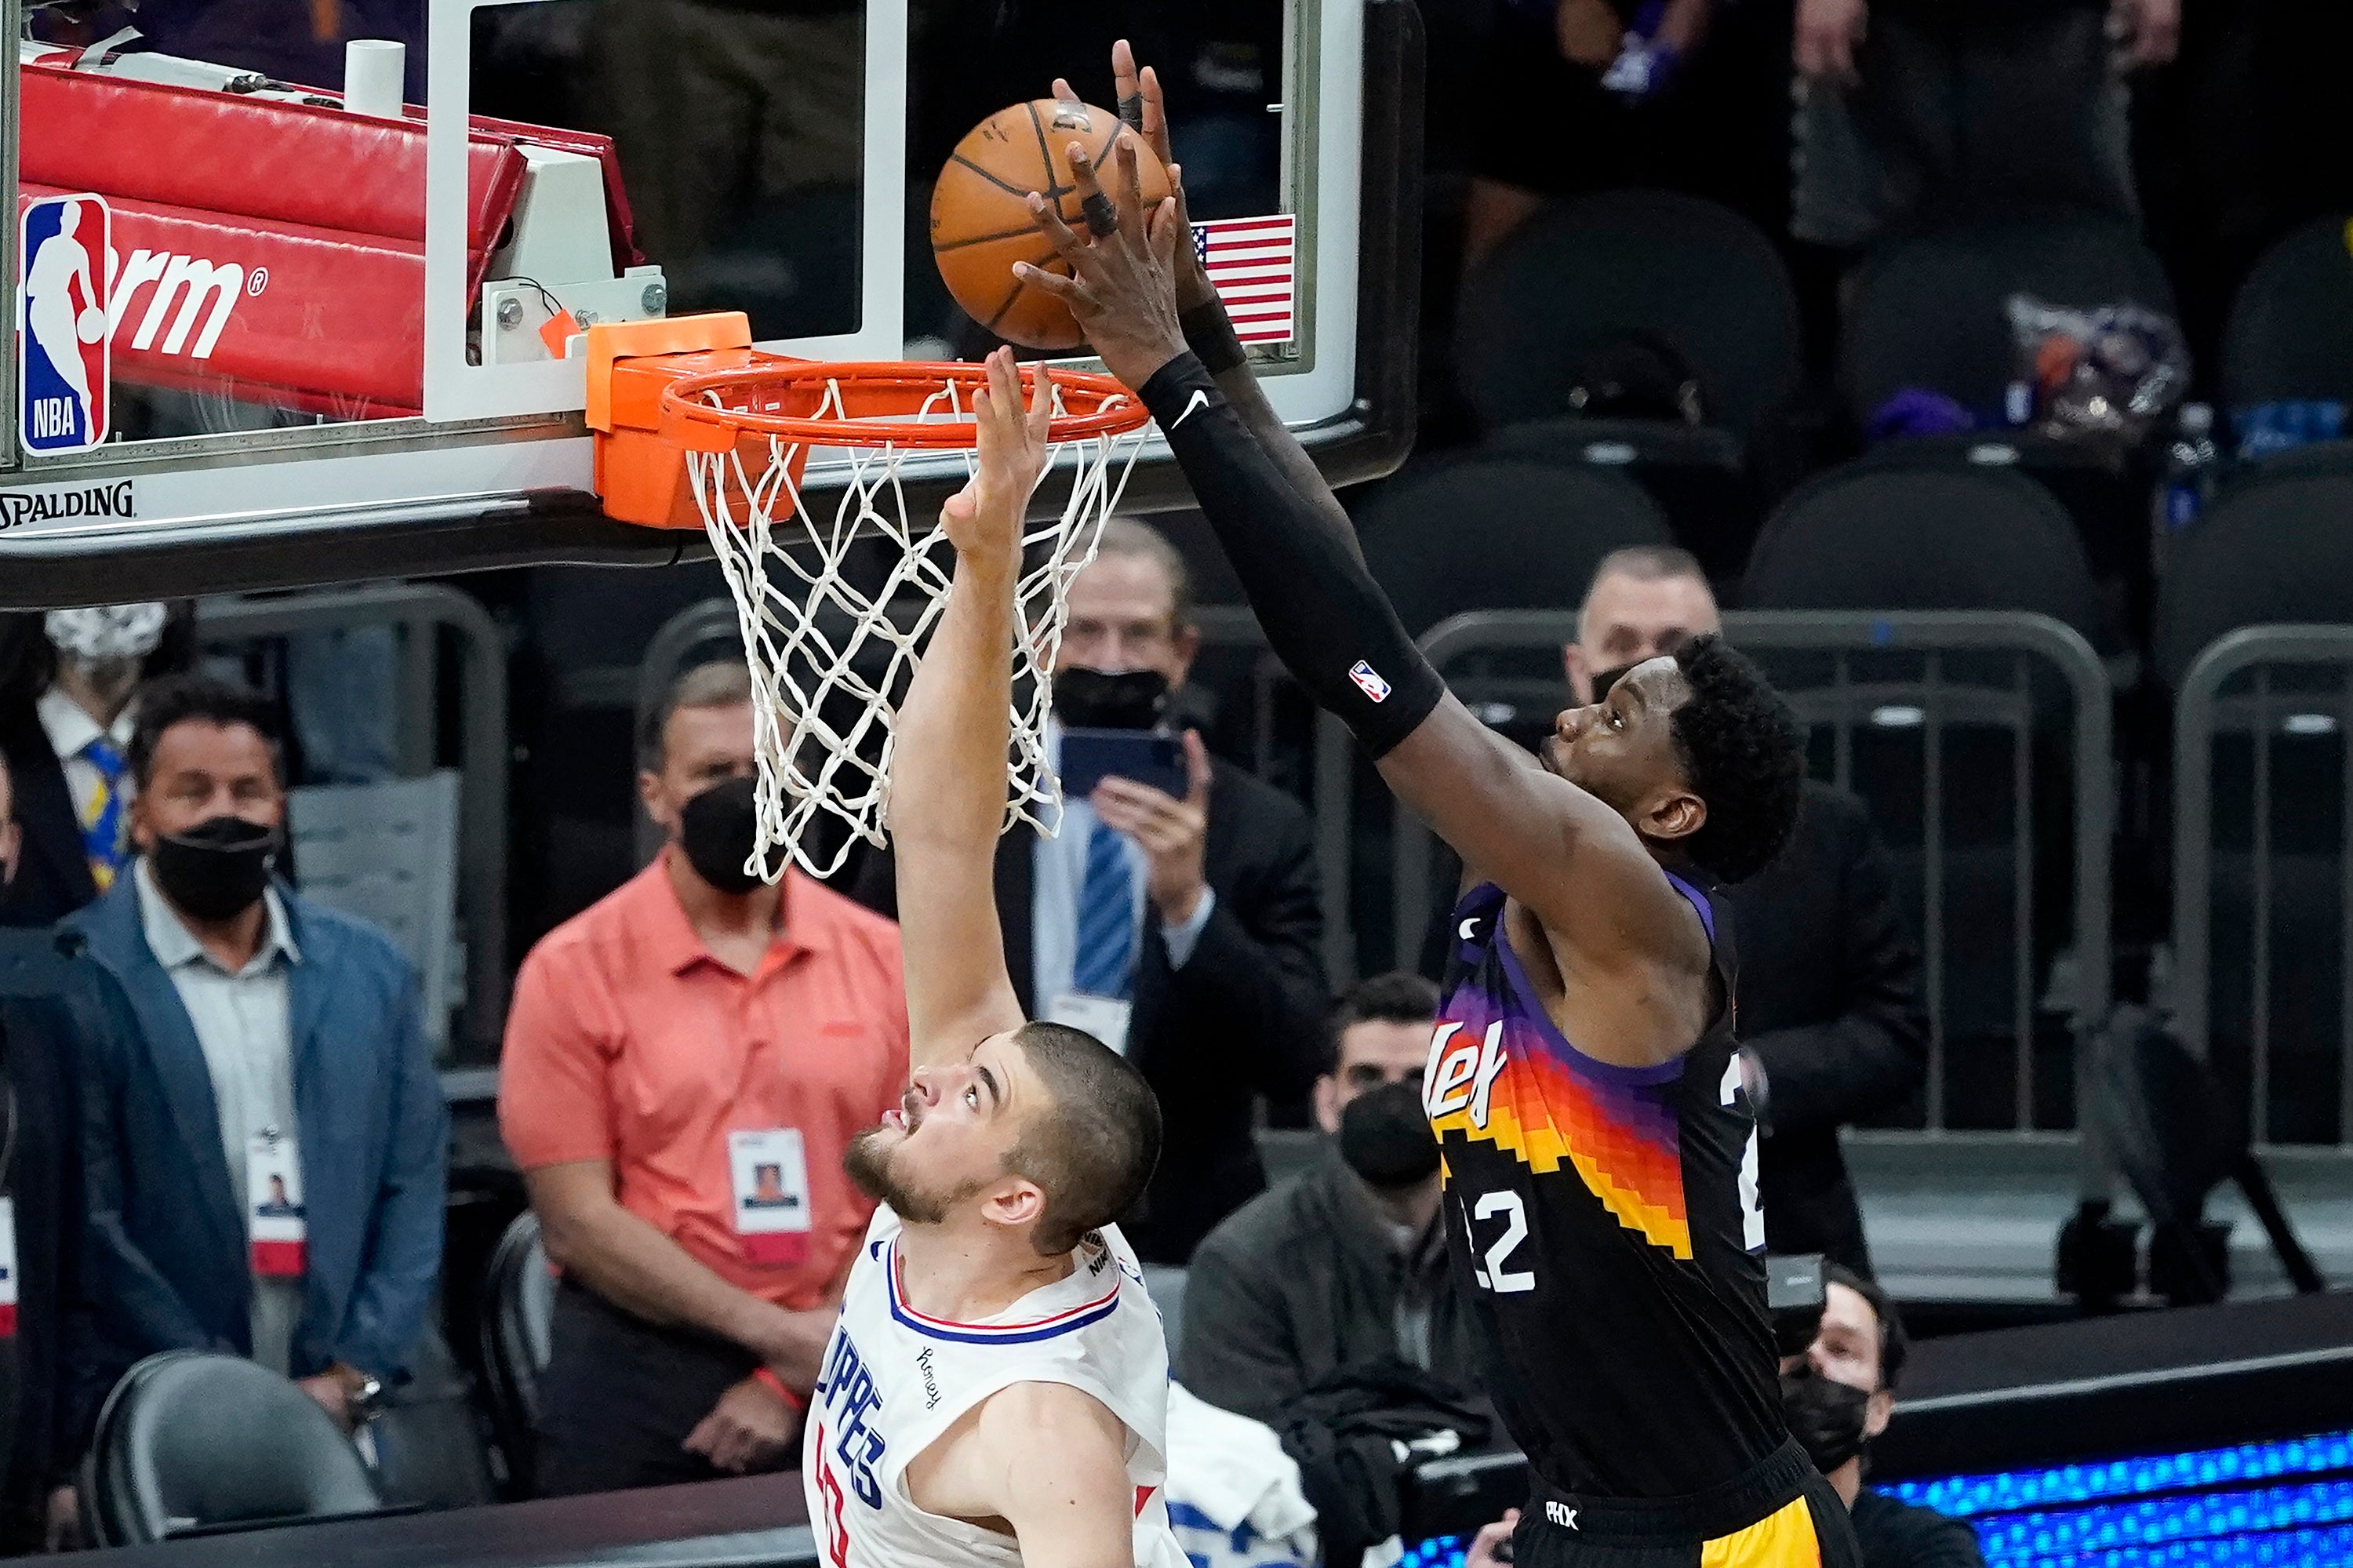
(1200, 400)
(1464, 930)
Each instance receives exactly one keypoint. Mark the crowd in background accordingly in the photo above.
(244, 1143)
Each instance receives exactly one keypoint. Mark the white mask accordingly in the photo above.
(110, 631)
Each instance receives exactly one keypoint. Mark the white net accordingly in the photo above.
(832, 625)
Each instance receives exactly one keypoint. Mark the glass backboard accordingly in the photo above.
(300, 289)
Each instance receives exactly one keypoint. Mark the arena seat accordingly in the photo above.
(1698, 275)
(1939, 745)
(2277, 548)
(191, 1442)
(1693, 274)
(1933, 311)
(1493, 533)
(2273, 549)
(1878, 536)
(2290, 333)
(517, 1318)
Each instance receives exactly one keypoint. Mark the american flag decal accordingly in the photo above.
(1252, 264)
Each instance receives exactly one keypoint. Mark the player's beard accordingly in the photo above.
(868, 1162)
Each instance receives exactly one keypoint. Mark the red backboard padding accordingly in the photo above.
(250, 157)
(336, 314)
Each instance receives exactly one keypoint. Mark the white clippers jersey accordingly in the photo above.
(894, 1380)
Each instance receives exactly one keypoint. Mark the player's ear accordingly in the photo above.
(1017, 1200)
(1877, 1413)
(1677, 813)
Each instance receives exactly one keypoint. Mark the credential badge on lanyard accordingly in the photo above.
(274, 1212)
(769, 1173)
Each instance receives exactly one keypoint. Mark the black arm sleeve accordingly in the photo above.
(1325, 617)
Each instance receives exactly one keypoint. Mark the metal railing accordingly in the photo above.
(1932, 702)
(2268, 713)
(420, 612)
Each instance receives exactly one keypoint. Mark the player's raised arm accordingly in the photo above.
(1547, 843)
(948, 762)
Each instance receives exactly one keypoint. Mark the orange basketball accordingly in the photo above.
(980, 212)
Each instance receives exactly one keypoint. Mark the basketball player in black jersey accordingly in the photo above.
(1600, 1157)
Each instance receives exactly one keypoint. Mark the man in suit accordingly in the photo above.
(67, 684)
(1832, 1025)
(272, 1037)
(48, 998)
(1186, 930)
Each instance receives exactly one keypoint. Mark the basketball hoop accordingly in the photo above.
(831, 651)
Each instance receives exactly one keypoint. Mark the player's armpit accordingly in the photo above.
(1058, 1474)
(1568, 856)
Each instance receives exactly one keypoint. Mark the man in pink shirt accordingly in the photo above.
(685, 1061)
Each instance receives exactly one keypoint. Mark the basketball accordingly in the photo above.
(91, 326)
(980, 212)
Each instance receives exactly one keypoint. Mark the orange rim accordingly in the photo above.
(919, 381)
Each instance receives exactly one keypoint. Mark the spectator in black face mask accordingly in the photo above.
(1183, 929)
(1346, 1263)
(293, 1039)
(1838, 1396)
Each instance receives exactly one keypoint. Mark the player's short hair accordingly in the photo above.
(1893, 1343)
(1130, 537)
(721, 683)
(1397, 996)
(181, 699)
(1743, 754)
(1095, 1149)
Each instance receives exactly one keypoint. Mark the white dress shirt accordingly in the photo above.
(242, 1023)
(69, 728)
(1058, 874)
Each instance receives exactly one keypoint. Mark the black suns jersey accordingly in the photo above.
(1603, 1223)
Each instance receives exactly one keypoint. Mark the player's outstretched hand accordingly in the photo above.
(983, 519)
(1145, 110)
(1123, 283)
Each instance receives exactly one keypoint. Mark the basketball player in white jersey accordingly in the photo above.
(996, 1390)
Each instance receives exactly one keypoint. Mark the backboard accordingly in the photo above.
(328, 309)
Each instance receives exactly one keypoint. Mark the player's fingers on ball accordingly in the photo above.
(1062, 93)
(1166, 230)
(1099, 211)
(1054, 284)
(1131, 186)
(1155, 113)
(1049, 224)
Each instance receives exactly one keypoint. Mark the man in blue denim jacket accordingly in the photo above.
(266, 1147)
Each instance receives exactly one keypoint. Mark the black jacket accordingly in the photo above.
(53, 877)
(1898, 1535)
(1244, 1017)
(49, 1002)
(1831, 1003)
(1302, 1284)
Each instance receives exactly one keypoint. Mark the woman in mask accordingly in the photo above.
(69, 685)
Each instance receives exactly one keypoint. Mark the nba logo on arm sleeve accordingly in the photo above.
(1368, 680)
(63, 324)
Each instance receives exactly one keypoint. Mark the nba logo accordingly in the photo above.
(1368, 680)
(62, 361)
